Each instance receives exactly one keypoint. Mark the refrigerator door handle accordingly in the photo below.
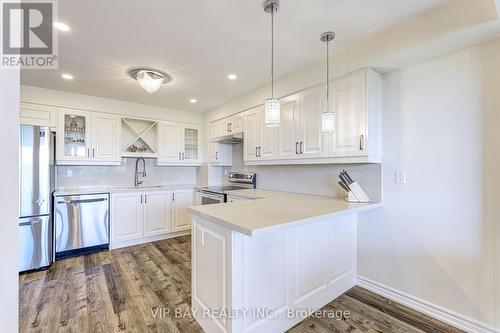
(30, 222)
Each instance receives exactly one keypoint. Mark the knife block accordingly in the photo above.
(356, 194)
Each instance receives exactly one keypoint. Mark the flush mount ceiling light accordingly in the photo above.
(232, 76)
(327, 117)
(150, 80)
(272, 105)
(193, 100)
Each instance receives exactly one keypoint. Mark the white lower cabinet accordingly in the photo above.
(158, 212)
(127, 216)
(284, 272)
(140, 217)
(181, 219)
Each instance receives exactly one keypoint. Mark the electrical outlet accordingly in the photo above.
(69, 173)
(400, 176)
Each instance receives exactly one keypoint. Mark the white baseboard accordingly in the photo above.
(455, 319)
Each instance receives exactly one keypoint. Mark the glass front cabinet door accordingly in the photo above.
(74, 135)
(191, 144)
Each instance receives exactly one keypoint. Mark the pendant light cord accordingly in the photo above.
(327, 77)
(272, 50)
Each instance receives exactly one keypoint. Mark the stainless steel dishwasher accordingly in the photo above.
(81, 224)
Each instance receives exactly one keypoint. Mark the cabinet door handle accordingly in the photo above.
(88, 152)
(361, 142)
(260, 151)
(296, 148)
(93, 152)
(230, 127)
(301, 147)
(141, 199)
(216, 155)
(183, 156)
(145, 198)
(179, 156)
(173, 196)
(227, 127)
(256, 151)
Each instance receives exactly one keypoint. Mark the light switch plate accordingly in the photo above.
(69, 173)
(400, 176)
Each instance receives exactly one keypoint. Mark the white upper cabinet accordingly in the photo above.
(169, 142)
(191, 144)
(74, 136)
(356, 101)
(37, 114)
(358, 116)
(250, 147)
(266, 138)
(312, 142)
(231, 125)
(288, 143)
(220, 154)
(350, 112)
(106, 129)
(87, 138)
(179, 144)
(259, 140)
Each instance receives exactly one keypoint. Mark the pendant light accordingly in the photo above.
(327, 117)
(272, 105)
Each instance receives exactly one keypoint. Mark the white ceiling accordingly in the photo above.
(199, 42)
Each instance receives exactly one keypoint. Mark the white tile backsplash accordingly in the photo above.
(310, 179)
(85, 176)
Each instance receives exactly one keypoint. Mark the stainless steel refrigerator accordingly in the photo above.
(37, 182)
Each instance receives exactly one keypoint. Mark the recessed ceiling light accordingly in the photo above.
(67, 76)
(232, 76)
(61, 26)
(192, 100)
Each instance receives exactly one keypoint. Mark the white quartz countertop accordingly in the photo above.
(273, 210)
(115, 189)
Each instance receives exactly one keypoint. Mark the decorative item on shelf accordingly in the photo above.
(353, 192)
(327, 117)
(272, 105)
(135, 149)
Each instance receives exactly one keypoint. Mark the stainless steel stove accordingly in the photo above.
(218, 194)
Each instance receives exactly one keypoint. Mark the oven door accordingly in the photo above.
(210, 198)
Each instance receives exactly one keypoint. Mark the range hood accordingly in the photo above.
(231, 138)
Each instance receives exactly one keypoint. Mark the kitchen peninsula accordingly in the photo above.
(264, 261)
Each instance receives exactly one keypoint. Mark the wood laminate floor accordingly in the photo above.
(121, 290)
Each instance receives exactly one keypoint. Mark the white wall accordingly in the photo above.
(9, 199)
(437, 236)
(85, 102)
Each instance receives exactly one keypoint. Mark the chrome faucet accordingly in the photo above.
(143, 173)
